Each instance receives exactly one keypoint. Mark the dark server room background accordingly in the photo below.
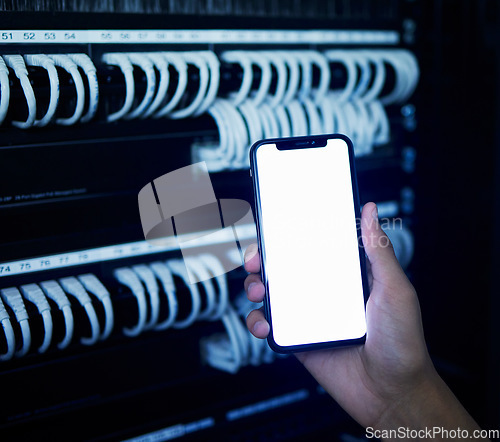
(99, 98)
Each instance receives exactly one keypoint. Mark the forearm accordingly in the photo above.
(430, 412)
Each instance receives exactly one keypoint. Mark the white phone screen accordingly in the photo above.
(308, 228)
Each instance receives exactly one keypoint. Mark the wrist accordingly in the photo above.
(410, 406)
(427, 405)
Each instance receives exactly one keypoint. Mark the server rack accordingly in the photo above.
(69, 192)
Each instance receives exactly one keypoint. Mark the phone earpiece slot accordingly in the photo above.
(306, 142)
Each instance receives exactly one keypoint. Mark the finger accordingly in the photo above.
(385, 267)
(254, 288)
(257, 324)
(252, 259)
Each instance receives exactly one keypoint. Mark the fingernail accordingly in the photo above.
(375, 213)
(251, 252)
(252, 284)
(262, 325)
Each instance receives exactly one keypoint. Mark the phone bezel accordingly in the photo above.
(315, 141)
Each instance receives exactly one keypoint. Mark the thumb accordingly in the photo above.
(378, 248)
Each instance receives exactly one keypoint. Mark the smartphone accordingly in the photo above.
(313, 265)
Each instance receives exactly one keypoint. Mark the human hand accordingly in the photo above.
(391, 377)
